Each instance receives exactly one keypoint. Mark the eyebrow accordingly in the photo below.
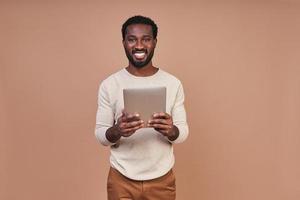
(142, 36)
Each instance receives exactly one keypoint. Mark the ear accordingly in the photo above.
(123, 42)
(155, 41)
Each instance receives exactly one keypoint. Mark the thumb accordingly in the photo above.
(124, 113)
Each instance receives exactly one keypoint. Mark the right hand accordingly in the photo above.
(127, 124)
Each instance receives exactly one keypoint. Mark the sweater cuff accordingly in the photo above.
(101, 136)
(183, 133)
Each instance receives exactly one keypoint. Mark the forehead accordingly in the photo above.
(139, 30)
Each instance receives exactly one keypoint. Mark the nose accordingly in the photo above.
(139, 44)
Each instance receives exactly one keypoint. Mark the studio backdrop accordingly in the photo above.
(239, 63)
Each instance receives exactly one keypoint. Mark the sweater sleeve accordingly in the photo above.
(104, 117)
(179, 116)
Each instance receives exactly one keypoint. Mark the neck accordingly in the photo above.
(147, 70)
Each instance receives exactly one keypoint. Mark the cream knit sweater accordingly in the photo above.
(146, 154)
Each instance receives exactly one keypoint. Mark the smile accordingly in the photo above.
(139, 55)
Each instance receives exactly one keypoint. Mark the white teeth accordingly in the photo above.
(139, 55)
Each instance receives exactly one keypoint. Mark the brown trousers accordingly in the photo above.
(120, 187)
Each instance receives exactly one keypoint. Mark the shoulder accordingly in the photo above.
(111, 80)
(170, 77)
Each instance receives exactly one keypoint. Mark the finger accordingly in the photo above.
(134, 124)
(162, 131)
(134, 128)
(132, 117)
(159, 121)
(127, 134)
(161, 115)
(123, 116)
(129, 131)
(161, 126)
(126, 117)
(127, 125)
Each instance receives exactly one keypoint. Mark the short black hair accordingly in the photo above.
(138, 19)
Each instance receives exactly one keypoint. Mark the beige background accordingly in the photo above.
(240, 66)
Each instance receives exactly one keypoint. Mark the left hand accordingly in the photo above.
(163, 123)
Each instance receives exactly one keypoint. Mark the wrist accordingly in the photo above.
(174, 133)
(113, 134)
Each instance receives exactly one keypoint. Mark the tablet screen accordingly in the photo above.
(145, 101)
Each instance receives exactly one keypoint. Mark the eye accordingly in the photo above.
(131, 40)
(147, 39)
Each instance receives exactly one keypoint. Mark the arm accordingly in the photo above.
(106, 131)
(163, 123)
(126, 126)
(104, 116)
(179, 116)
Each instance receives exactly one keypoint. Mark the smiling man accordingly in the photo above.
(141, 155)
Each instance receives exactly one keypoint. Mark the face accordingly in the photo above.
(139, 44)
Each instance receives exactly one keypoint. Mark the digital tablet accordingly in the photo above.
(145, 101)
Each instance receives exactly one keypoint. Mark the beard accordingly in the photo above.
(139, 64)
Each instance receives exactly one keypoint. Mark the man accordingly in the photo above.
(141, 153)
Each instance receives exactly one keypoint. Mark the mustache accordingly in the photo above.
(139, 51)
